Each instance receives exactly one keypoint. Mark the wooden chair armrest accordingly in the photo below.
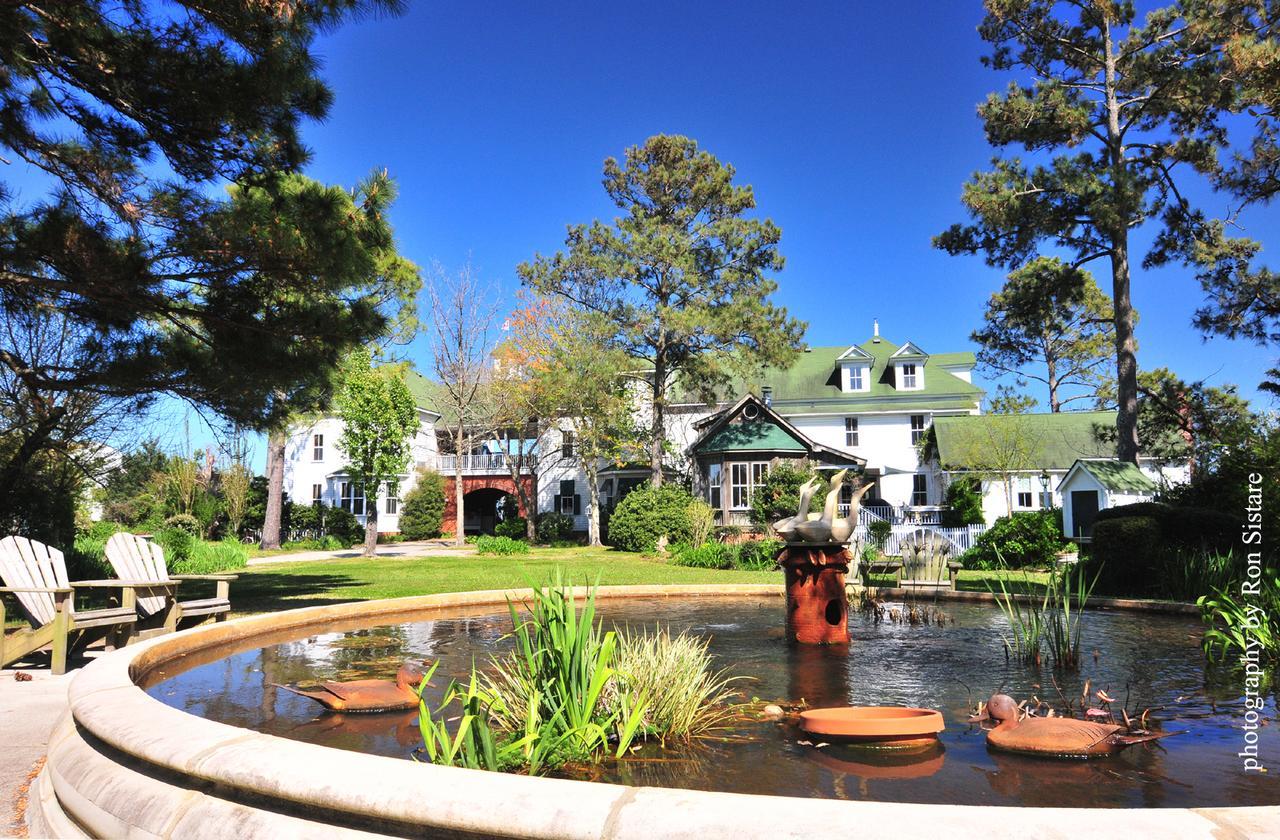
(954, 564)
(205, 577)
(16, 589)
(125, 584)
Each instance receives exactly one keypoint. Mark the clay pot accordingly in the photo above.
(891, 727)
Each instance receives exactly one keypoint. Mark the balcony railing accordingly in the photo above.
(495, 463)
(896, 514)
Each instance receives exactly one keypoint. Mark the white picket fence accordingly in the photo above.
(962, 538)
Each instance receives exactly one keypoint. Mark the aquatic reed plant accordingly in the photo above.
(687, 697)
(1063, 611)
(562, 662)
(1056, 618)
(1026, 623)
(1236, 624)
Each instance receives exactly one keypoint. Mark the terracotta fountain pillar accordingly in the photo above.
(817, 607)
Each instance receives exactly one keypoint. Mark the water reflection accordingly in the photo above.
(1153, 660)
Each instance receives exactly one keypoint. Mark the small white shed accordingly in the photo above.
(1094, 484)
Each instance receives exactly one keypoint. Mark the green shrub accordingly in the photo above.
(705, 556)
(648, 513)
(387, 539)
(554, 527)
(1029, 538)
(177, 544)
(964, 503)
(702, 522)
(515, 528)
(1156, 550)
(880, 530)
(211, 558)
(758, 555)
(778, 496)
(342, 524)
(186, 522)
(422, 508)
(87, 559)
(500, 545)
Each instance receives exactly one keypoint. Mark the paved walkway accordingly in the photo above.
(28, 711)
(420, 548)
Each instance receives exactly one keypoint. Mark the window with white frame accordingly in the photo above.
(317, 447)
(352, 499)
(393, 501)
(910, 379)
(566, 444)
(919, 489)
(569, 501)
(851, 431)
(715, 480)
(855, 377)
(317, 492)
(917, 428)
(743, 479)
(1024, 497)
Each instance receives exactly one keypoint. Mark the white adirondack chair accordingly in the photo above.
(138, 558)
(36, 575)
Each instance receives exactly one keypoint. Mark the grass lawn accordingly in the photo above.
(289, 585)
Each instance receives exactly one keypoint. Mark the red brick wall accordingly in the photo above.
(504, 483)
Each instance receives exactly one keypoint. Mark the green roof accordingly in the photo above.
(1118, 476)
(1022, 441)
(752, 436)
(813, 382)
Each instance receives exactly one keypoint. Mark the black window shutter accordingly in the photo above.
(577, 503)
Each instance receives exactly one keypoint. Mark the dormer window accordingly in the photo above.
(855, 379)
(910, 379)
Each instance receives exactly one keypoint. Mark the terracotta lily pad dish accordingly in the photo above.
(884, 727)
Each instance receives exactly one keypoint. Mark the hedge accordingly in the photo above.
(648, 513)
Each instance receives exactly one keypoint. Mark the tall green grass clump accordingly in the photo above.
(501, 546)
(210, 558)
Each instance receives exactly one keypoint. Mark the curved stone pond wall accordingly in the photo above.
(122, 763)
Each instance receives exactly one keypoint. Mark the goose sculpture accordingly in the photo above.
(368, 695)
(819, 530)
(1055, 737)
(842, 529)
(786, 528)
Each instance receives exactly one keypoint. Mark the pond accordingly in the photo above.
(1153, 660)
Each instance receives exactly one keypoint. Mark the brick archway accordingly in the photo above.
(471, 483)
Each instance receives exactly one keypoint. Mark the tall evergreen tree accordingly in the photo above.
(682, 276)
(1118, 114)
(1052, 324)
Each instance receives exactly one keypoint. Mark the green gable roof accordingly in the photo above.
(812, 382)
(1043, 441)
(1119, 476)
(751, 436)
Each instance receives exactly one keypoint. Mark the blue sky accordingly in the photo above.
(854, 122)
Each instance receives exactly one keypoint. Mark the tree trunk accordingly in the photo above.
(459, 538)
(1118, 234)
(657, 430)
(275, 490)
(593, 502)
(371, 524)
(1055, 405)
(1126, 355)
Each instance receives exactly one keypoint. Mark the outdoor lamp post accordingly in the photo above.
(1046, 501)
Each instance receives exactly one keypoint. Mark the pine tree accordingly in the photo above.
(681, 277)
(1117, 115)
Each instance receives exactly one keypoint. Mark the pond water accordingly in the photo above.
(1153, 660)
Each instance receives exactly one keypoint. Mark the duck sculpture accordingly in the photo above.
(1054, 737)
(368, 695)
(842, 529)
(819, 530)
(786, 528)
